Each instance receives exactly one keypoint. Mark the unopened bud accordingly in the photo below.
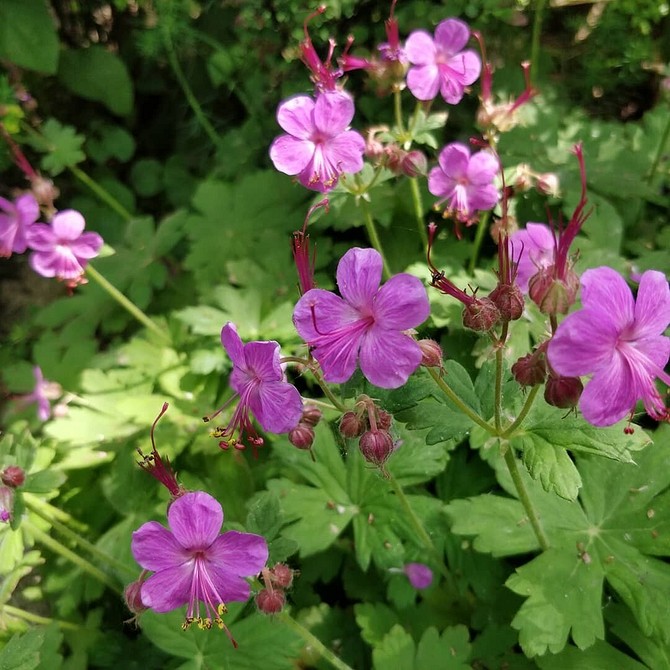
(351, 425)
(384, 419)
(431, 353)
(302, 436)
(552, 295)
(311, 415)
(531, 370)
(420, 576)
(13, 476)
(548, 184)
(44, 190)
(282, 576)
(509, 301)
(481, 315)
(414, 164)
(270, 601)
(563, 392)
(376, 446)
(395, 157)
(132, 594)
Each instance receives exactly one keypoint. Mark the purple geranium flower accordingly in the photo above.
(63, 249)
(465, 182)
(193, 563)
(16, 218)
(258, 380)
(366, 324)
(440, 64)
(42, 392)
(420, 576)
(619, 341)
(319, 146)
(535, 247)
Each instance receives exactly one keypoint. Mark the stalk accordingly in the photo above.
(482, 227)
(103, 194)
(372, 234)
(537, 33)
(35, 618)
(418, 211)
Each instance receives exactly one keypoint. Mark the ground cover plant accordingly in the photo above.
(334, 336)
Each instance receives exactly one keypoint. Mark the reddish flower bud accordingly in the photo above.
(376, 446)
(351, 425)
(414, 164)
(531, 370)
(384, 419)
(270, 601)
(481, 315)
(302, 436)
(563, 392)
(552, 295)
(311, 415)
(509, 301)
(12, 476)
(394, 157)
(282, 576)
(133, 597)
(431, 353)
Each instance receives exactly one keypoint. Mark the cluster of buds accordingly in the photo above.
(11, 477)
(272, 598)
(371, 424)
(547, 183)
(302, 436)
(409, 163)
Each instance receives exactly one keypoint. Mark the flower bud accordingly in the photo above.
(509, 301)
(351, 425)
(431, 353)
(311, 415)
(414, 164)
(270, 601)
(384, 419)
(133, 597)
(563, 392)
(376, 446)
(531, 370)
(481, 315)
(548, 184)
(282, 576)
(394, 157)
(44, 190)
(420, 576)
(552, 295)
(12, 476)
(302, 436)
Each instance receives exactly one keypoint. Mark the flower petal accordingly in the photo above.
(482, 196)
(333, 112)
(277, 406)
(359, 274)
(454, 160)
(168, 589)
(321, 312)
(41, 237)
(420, 48)
(388, 358)
(195, 519)
(87, 246)
(233, 345)
(346, 151)
(291, 155)
(155, 547)
(68, 224)
(439, 184)
(402, 303)
(262, 360)
(423, 81)
(607, 296)
(295, 116)
(482, 168)
(451, 35)
(652, 307)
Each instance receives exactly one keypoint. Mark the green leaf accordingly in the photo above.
(395, 652)
(97, 74)
(22, 652)
(63, 145)
(375, 621)
(44, 481)
(601, 656)
(450, 650)
(28, 36)
(551, 465)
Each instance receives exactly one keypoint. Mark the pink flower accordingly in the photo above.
(63, 249)
(366, 324)
(440, 64)
(16, 218)
(192, 563)
(535, 247)
(465, 182)
(319, 146)
(258, 380)
(42, 392)
(420, 576)
(619, 341)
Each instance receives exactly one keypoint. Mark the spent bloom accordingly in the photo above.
(258, 380)
(318, 146)
(193, 564)
(464, 182)
(366, 325)
(16, 218)
(439, 65)
(63, 249)
(535, 247)
(620, 342)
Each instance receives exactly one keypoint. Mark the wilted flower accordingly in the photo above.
(619, 341)
(193, 564)
(16, 218)
(440, 64)
(366, 325)
(63, 249)
(319, 146)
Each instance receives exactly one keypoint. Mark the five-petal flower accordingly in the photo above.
(16, 218)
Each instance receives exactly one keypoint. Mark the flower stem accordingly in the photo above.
(35, 618)
(128, 305)
(418, 211)
(313, 641)
(537, 33)
(34, 504)
(414, 520)
(80, 562)
(397, 110)
(372, 234)
(460, 404)
(482, 227)
(497, 391)
(524, 498)
(659, 152)
(324, 387)
(103, 194)
(522, 414)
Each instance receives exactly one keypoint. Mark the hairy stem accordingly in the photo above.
(35, 618)
(313, 641)
(537, 34)
(372, 234)
(482, 227)
(127, 304)
(507, 432)
(524, 498)
(328, 393)
(102, 194)
(418, 211)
